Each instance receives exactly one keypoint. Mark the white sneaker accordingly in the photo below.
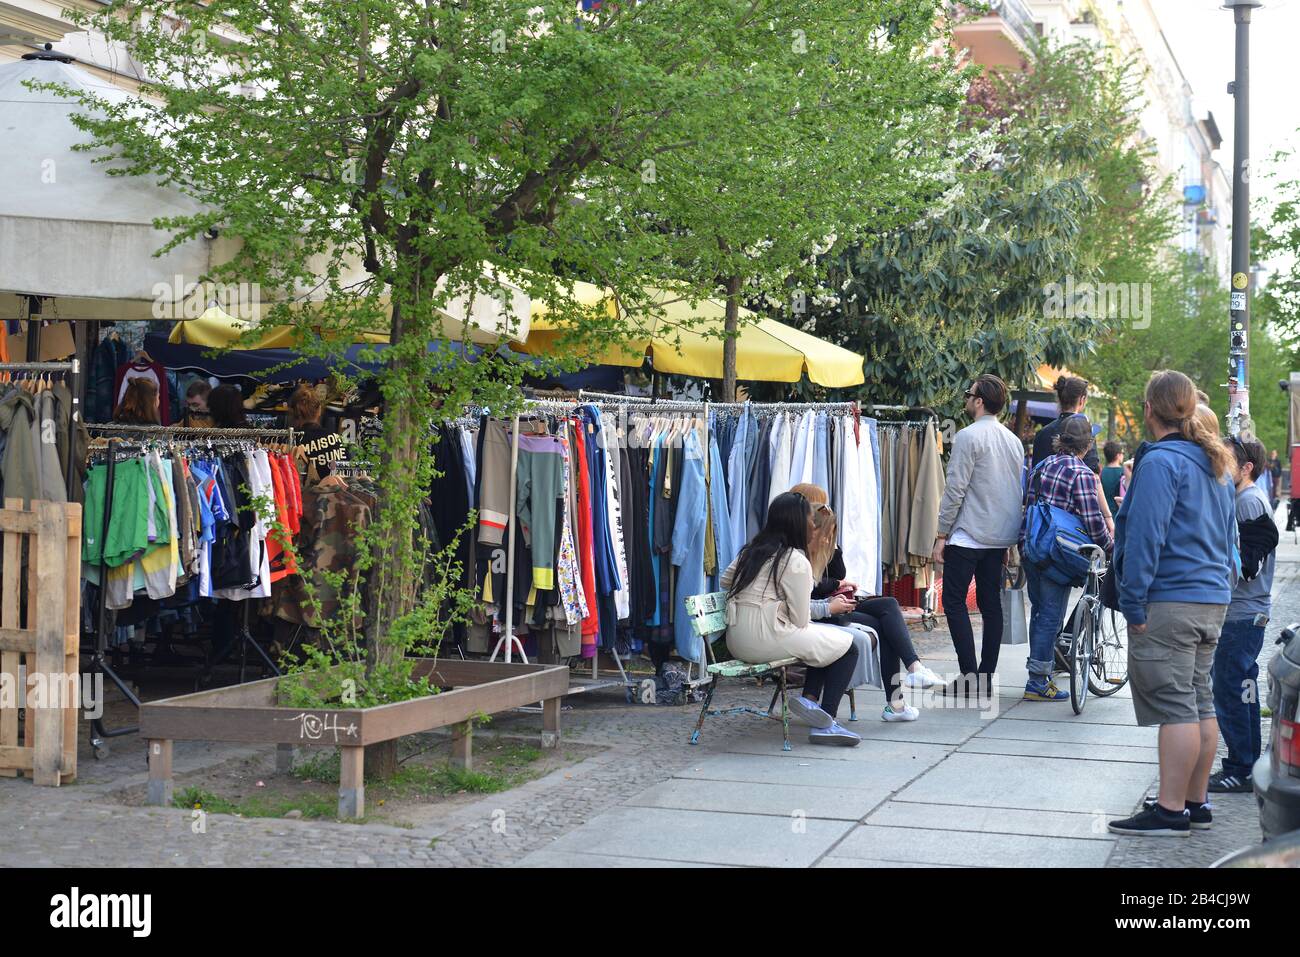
(908, 713)
(923, 677)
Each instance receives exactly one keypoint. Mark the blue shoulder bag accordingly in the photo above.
(1053, 538)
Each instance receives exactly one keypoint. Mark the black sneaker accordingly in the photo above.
(1202, 815)
(1155, 822)
(1225, 783)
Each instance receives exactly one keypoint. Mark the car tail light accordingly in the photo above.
(1288, 745)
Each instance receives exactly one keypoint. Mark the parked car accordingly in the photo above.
(1277, 772)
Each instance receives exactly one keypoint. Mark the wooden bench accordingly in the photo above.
(708, 621)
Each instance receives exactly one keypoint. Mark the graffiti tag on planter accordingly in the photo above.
(314, 727)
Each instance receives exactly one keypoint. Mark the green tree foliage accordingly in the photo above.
(395, 155)
(1050, 188)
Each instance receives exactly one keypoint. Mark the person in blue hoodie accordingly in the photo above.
(1175, 538)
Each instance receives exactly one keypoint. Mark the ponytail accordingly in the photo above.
(1203, 429)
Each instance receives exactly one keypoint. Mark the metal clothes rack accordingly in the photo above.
(99, 659)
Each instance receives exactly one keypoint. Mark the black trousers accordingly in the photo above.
(897, 652)
(960, 565)
(827, 685)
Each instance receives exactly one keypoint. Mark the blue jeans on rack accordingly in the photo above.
(1235, 677)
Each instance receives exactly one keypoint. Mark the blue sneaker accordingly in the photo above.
(1044, 689)
(834, 735)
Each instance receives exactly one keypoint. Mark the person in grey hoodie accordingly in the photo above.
(979, 519)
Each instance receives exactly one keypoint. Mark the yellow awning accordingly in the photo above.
(685, 339)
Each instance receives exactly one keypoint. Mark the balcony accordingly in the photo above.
(1003, 38)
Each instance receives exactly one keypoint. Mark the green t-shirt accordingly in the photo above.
(1111, 476)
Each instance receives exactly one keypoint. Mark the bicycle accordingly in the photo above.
(1094, 650)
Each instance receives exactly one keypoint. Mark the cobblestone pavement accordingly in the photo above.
(643, 745)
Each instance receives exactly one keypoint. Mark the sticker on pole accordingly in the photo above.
(1239, 280)
(1238, 303)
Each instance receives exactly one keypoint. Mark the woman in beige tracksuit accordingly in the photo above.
(769, 616)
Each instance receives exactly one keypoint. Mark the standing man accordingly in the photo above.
(979, 519)
(1236, 659)
(1071, 397)
(1112, 475)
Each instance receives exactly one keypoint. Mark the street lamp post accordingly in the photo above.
(1239, 294)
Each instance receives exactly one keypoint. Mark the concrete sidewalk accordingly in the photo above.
(1031, 785)
(1017, 785)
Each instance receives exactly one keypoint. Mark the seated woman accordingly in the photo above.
(899, 663)
(769, 588)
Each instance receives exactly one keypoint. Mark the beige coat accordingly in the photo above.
(764, 625)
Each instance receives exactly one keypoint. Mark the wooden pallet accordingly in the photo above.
(40, 608)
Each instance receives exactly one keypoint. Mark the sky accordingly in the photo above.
(1201, 35)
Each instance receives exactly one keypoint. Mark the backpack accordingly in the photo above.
(1053, 538)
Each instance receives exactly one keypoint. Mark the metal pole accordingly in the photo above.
(1239, 295)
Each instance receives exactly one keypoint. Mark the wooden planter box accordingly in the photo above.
(248, 714)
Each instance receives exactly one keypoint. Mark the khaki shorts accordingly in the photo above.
(1169, 665)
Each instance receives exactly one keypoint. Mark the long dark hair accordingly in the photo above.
(786, 529)
(226, 406)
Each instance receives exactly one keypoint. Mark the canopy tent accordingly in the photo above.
(71, 233)
(686, 339)
(287, 365)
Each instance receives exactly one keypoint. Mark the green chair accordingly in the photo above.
(708, 621)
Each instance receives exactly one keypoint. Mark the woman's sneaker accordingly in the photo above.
(833, 735)
(1154, 822)
(1202, 814)
(1044, 689)
(809, 713)
(905, 713)
(923, 677)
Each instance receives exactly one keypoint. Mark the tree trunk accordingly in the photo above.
(391, 594)
(1110, 422)
(730, 324)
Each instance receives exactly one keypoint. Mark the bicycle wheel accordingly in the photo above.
(1080, 657)
(1109, 671)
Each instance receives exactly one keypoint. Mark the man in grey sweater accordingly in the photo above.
(979, 519)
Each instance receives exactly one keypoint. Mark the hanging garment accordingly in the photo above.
(45, 438)
(688, 546)
(853, 521)
(738, 477)
(494, 491)
(614, 521)
(782, 454)
(871, 428)
(591, 623)
(724, 545)
(760, 477)
(101, 387)
(924, 524)
(537, 493)
(152, 371)
(607, 577)
(20, 471)
(570, 577)
(821, 470)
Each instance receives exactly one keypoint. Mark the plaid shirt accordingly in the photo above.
(1064, 481)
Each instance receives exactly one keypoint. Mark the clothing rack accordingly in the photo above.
(73, 369)
(99, 660)
(680, 404)
(183, 431)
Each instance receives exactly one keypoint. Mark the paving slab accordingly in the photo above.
(1072, 732)
(875, 865)
(998, 780)
(1061, 749)
(704, 837)
(746, 797)
(876, 766)
(938, 726)
(1117, 711)
(953, 817)
(549, 858)
(930, 846)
